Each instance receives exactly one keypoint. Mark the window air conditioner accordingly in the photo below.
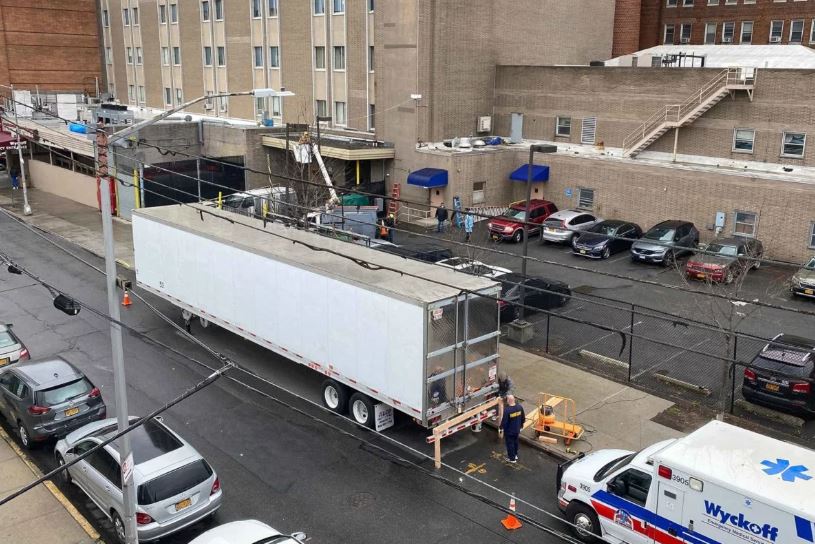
(775, 39)
(207, 106)
(727, 40)
(684, 40)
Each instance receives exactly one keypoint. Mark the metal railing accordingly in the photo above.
(411, 215)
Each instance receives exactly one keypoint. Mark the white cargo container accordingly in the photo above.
(426, 346)
(718, 485)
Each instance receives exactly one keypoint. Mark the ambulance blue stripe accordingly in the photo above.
(692, 537)
(804, 529)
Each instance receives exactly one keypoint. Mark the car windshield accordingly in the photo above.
(810, 265)
(174, 482)
(518, 215)
(726, 251)
(6, 339)
(660, 233)
(64, 392)
(610, 467)
(604, 228)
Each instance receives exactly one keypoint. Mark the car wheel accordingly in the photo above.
(25, 436)
(606, 252)
(64, 476)
(585, 524)
(335, 396)
(669, 259)
(362, 409)
(518, 237)
(728, 278)
(118, 526)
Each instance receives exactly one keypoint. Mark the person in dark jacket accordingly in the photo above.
(511, 425)
(441, 217)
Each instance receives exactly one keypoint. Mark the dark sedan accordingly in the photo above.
(605, 238)
(539, 294)
(725, 259)
(782, 375)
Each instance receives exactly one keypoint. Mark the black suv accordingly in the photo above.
(781, 375)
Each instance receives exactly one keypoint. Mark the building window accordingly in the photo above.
(588, 132)
(370, 58)
(671, 3)
(564, 126)
(712, 2)
(105, 18)
(745, 224)
(585, 198)
(141, 94)
(165, 56)
(129, 55)
(321, 108)
(274, 56)
(371, 5)
(339, 57)
(793, 144)
(162, 13)
(669, 35)
(797, 31)
(168, 96)
(223, 103)
(319, 57)
(479, 192)
(207, 55)
(260, 105)
(812, 235)
(776, 31)
(256, 9)
(176, 55)
(131, 93)
(258, 57)
(173, 13)
(205, 10)
(734, 2)
(727, 32)
(747, 32)
(319, 7)
(338, 6)
(126, 17)
(108, 55)
(221, 55)
(685, 30)
(371, 117)
(179, 97)
(277, 106)
(812, 32)
(272, 8)
(339, 113)
(687, 3)
(743, 140)
(219, 10)
(138, 55)
(710, 33)
(135, 16)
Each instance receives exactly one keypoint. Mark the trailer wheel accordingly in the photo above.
(335, 396)
(585, 524)
(362, 409)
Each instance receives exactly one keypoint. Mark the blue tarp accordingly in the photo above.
(539, 173)
(428, 177)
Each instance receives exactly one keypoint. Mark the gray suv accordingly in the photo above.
(48, 398)
(665, 241)
(175, 486)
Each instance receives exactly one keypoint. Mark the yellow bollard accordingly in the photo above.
(136, 194)
(220, 200)
(265, 208)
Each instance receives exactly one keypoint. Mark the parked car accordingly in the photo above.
(247, 532)
(510, 224)
(564, 226)
(725, 259)
(802, 282)
(781, 375)
(48, 398)
(175, 486)
(12, 349)
(539, 294)
(603, 239)
(477, 268)
(665, 241)
(427, 252)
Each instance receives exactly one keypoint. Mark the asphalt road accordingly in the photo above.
(280, 458)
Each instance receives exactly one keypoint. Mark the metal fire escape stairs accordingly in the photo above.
(727, 82)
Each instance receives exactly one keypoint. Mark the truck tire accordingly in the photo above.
(585, 524)
(335, 396)
(361, 408)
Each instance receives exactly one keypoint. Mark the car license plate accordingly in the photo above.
(774, 387)
(582, 251)
(71, 412)
(550, 231)
(494, 237)
(700, 276)
(806, 292)
(181, 505)
(4, 361)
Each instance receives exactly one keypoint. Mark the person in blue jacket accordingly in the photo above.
(511, 425)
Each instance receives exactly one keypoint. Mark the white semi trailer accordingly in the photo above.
(423, 341)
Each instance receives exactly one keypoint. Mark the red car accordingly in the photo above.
(509, 225)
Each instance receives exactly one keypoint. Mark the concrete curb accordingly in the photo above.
(603, 359)
(698, 389)
(796, 423)
(72, 511)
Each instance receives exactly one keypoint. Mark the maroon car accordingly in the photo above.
(510, 224)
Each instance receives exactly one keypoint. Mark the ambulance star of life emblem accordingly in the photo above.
(621, 517)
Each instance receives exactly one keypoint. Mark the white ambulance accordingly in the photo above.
(718, 485)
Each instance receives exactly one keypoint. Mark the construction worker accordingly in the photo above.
(441, 217)
(438, 389)
(390, 222)
(382, 232)
(504, 387)
(511, 425)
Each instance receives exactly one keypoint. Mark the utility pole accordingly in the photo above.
(26, 206)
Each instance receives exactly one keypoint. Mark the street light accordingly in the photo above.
(103, 141)
(533, 148)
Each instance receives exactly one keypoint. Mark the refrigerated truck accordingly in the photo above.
(718, 485)
(386, 332)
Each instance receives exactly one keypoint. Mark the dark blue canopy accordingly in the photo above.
(428, 177)
(539, 173)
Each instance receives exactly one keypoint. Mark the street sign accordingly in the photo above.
(568, 192)
(127, 469)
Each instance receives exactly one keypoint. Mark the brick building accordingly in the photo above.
(712, 22)
(50, 44)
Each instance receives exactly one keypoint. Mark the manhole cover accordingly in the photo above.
(361, 499)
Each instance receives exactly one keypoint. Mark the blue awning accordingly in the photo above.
(539, 173)
(428, 177)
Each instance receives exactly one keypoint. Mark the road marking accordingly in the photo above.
(571, 309)
(620, 258)
(671, 358)
(72, 511)
(472, 467)
(597, 340)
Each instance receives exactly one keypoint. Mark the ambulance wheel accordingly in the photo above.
(362, 409)
(335, 396)
(584, 522)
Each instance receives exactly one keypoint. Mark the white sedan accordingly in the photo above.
(247, 532)
(470, 266)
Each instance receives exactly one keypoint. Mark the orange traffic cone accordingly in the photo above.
(126, 299)
(510, 522)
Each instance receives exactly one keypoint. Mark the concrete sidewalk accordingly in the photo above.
(40, 515)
